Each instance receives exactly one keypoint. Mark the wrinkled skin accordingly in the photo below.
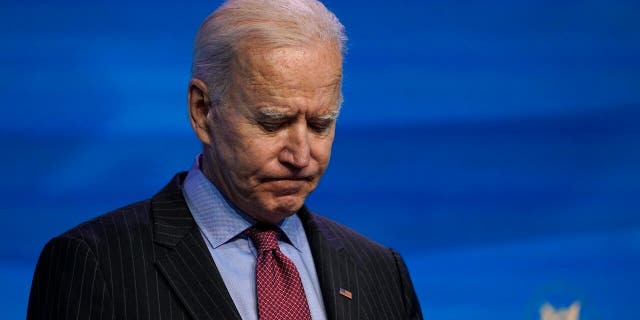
(267, 145)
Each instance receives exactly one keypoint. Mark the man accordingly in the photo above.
(232, 239)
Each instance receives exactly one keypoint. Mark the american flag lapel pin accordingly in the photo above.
(345, 293)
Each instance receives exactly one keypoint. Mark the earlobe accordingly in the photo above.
(199, 105)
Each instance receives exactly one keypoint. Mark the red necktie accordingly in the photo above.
(280, 292)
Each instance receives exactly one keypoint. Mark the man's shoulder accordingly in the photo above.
(348, 239)
(344, 232)
(133, 222)
(123, 225)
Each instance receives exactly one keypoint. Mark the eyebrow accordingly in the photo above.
(331, 116)
(277, 115)
(272, 114)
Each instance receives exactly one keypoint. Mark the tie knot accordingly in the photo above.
(264, 237)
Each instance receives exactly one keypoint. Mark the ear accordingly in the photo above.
(199, 107)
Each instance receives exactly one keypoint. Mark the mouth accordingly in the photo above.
(276, 179)
(287, 185)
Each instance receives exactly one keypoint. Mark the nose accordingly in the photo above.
(297, 151)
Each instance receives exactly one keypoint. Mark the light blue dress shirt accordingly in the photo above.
(222, 224)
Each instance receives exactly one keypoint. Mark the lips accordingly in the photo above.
(286, 179)
(286, 186)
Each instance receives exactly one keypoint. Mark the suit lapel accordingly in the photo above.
(335, 269)
(185, 261)
(183, 257)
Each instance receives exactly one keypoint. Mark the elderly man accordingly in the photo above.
(232, 239)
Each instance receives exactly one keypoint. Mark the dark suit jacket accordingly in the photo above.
(149, 261)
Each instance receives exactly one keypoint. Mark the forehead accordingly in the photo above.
(310, 67)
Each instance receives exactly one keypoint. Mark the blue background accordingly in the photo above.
(494, 143)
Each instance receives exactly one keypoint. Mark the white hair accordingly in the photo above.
(239, 24)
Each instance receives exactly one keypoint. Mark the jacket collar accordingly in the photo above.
(336, 270)
(186, 263)
(188, 267)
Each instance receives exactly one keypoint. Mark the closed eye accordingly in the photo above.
(272, 121)
(321, 126)
(322, 123)
(271, 126)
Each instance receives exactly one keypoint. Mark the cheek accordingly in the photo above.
(259, 148)
(254, 156)
(236, 142)
(321, 150)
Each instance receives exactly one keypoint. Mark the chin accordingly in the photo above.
(284, 207)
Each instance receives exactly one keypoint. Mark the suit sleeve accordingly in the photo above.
(68, 283)
(411, 304)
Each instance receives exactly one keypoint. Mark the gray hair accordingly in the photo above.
(258, 24)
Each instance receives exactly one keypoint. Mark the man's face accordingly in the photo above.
(271, 140)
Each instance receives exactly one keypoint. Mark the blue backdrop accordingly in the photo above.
(494, 143)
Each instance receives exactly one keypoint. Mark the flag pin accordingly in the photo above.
(345, 293)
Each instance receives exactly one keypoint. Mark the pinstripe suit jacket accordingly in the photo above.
(149, 261)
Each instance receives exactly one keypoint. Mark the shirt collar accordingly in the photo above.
(219, 220)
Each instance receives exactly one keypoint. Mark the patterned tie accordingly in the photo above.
(280, 292)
